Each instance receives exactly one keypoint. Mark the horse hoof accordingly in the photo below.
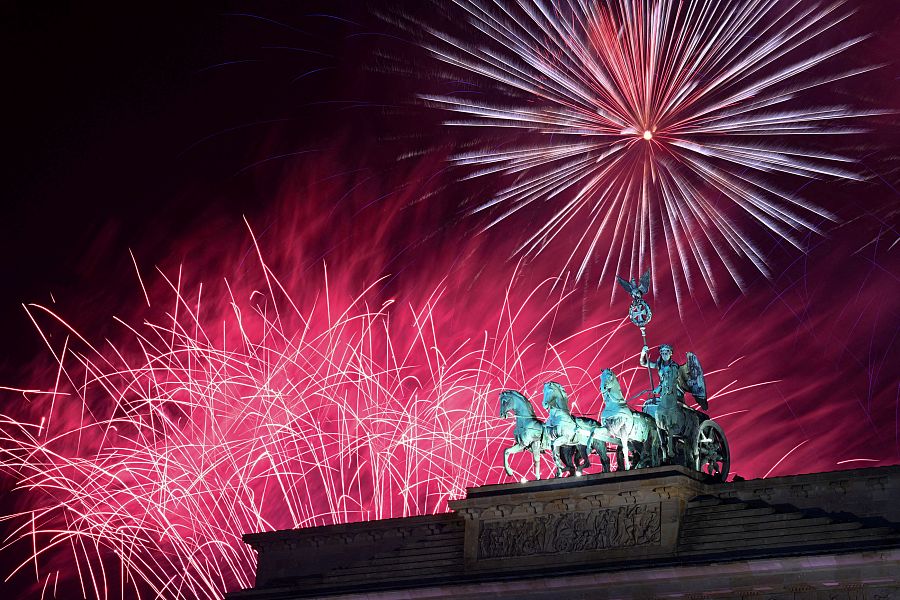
(523, 480)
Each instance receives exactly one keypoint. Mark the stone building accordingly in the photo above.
(651, 533)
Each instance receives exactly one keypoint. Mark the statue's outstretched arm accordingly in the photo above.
(644, 359)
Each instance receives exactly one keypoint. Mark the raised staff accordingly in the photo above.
(639, 312)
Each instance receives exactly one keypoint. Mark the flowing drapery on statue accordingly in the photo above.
(675, 379)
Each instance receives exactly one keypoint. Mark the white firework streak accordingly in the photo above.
(144, 463)
(653, 112)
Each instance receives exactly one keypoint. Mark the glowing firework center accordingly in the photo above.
(339, 427)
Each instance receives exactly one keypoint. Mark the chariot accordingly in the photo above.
(665, 431)
(686, 436)
(692, 439)
(703, 448)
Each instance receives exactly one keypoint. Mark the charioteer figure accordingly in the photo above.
(687, 436)
(674, 379)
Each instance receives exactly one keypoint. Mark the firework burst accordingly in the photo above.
(254, 410)
(260, 404)
(656, 128)
(220, 409)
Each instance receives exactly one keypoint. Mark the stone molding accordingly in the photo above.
(633, 515)
(653, 533)
(351, 534)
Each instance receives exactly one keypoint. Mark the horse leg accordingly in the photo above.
(555, 450)
(690, 452)
(585, 455)
(511, 450)
(667, 428)
(604, 457)
(670, 447)
(568, 457)
(644, 459)
(656, 446)
(536, 454)
(689, 455)
(590, 441)
(624, 448)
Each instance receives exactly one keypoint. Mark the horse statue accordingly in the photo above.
(529, 430)
(629, 426)
(530, 434)
(564, 429)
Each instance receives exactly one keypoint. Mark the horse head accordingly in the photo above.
(610, 388)
(513, 401)
(555, 396)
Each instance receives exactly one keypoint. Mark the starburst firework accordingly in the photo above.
(655, 127)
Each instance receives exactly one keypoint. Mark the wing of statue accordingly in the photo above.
(644, 287)
(693, 377)
(625, 284)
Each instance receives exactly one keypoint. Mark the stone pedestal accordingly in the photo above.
(631, 516)
(647, 534)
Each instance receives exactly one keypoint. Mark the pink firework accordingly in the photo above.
(264, 403)
(288, 397)
(653, 129)
(247, 408)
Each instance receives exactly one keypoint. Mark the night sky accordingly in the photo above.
(111, 123)
(160, 131)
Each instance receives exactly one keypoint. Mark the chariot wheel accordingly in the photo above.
(713, 457)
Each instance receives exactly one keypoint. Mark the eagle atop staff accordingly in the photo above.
(634, 287)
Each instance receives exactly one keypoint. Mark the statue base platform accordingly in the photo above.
(652, 533)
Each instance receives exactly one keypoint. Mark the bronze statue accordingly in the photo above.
(700, 438)
(532, 434)
(676, 379)
(564, 429)
(528, 432)
(633, 430)
(688, 432)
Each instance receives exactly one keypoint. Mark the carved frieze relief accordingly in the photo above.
(567, 532)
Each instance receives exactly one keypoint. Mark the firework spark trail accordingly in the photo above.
(260, 405)
(160, 451)
(639, 114)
